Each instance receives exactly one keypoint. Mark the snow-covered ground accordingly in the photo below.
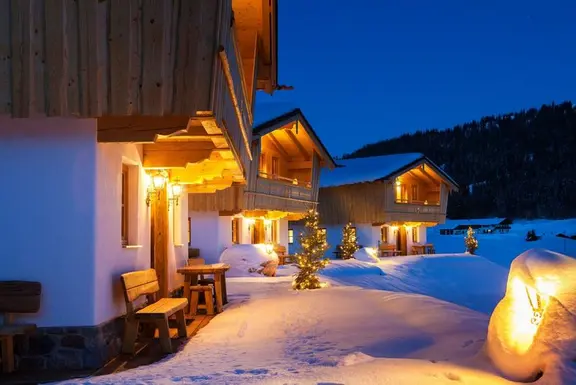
(406, 320)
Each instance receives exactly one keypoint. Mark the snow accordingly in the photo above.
(246, 260)
(268, 111)
(450, 224)
(521, 344)
(367, 254)
(402, 320)
(369, 169)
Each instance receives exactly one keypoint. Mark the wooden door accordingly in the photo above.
(258, 232)
(401, 240)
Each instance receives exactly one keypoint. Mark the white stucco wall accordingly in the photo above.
(47, 221)
(65, 206)
(283, 232)
(112, 259)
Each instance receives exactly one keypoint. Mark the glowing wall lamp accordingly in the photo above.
(156, 184)
(176, 189)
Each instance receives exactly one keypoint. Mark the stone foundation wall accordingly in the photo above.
(85, 347)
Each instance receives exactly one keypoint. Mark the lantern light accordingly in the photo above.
(176, 189)
(156, 183)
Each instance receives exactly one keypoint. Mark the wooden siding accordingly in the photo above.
(230, 199)
(107, 57)
(374, 203)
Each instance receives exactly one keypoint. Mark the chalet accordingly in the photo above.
(390, 200)
(282, 185)
(109, 112)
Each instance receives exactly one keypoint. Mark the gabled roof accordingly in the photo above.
(371, 169)
(277, 116)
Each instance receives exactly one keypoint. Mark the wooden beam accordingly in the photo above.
(138, 128)
(297, 143)
(159, 240)
(427, 175)
(176, 154)
(275, 143)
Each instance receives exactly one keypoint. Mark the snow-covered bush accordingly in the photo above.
(367, 254)
(250, 260)
(534, 327)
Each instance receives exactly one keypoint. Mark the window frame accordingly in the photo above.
(415, 235)
(384, 234)
(125, 205)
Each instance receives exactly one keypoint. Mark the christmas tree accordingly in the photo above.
(311, 257)
(470, 241)
(349, 243)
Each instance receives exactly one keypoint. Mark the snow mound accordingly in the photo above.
(250, 260)
(533, 328)
(367, 254)
(355, 358)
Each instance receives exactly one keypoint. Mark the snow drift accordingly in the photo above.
(250, 260)
(367, 254)
(534, 327)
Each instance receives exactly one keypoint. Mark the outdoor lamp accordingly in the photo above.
(157, 183)
(176, 189)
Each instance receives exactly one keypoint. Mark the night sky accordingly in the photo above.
(367, 70)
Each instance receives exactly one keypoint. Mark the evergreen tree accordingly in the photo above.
(310, 259)
(470, 241)
(349, 243)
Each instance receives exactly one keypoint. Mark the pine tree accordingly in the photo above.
(310, 259)
(349, 243)
(470, 241)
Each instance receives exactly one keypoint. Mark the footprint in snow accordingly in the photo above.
(242, 329)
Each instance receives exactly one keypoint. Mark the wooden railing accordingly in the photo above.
(416, 202)
(284, 179)
(231, 104)
(283, 190)
(414, 207)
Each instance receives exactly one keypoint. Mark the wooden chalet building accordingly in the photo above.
(389, 199)
(282, 185)
(109, 112)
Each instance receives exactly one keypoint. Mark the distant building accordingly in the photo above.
(390, 200)
(480, 225)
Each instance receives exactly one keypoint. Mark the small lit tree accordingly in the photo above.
(349, 243)
(310, 259)
(470, 241)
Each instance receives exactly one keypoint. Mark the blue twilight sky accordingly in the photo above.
(374, 69)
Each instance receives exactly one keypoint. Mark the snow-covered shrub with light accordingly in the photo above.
(310, 260)
(250, 260)
(534, 326)
(349, 243)
(470, 241)
(367, 254)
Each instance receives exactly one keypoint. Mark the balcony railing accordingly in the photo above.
(282, 189)
(292, 181)
(417, 207)
(417, 202)
(233, 110)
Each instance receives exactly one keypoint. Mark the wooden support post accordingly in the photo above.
(159, 240)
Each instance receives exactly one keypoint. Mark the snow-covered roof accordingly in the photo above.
(265, 112)
(359, 170)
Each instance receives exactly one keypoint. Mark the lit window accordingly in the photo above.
(124, 204)
(415, 234)
(384, 234)
(290, 236)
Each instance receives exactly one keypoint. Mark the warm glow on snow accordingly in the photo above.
(527, 309)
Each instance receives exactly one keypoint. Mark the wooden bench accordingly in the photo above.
(283, 258)
(16, 297)
(387, 250)
(145, 283)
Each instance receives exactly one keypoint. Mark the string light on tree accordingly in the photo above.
(310, 259)
(470, 241)
(349, 243)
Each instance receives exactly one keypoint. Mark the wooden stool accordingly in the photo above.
(195, 299)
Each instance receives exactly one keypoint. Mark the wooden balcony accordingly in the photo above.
(279, 195)
(415, 211)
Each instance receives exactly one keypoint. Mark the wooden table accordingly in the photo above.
(218, 270)
(427, 248)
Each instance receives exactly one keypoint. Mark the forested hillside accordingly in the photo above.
(520, 164)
